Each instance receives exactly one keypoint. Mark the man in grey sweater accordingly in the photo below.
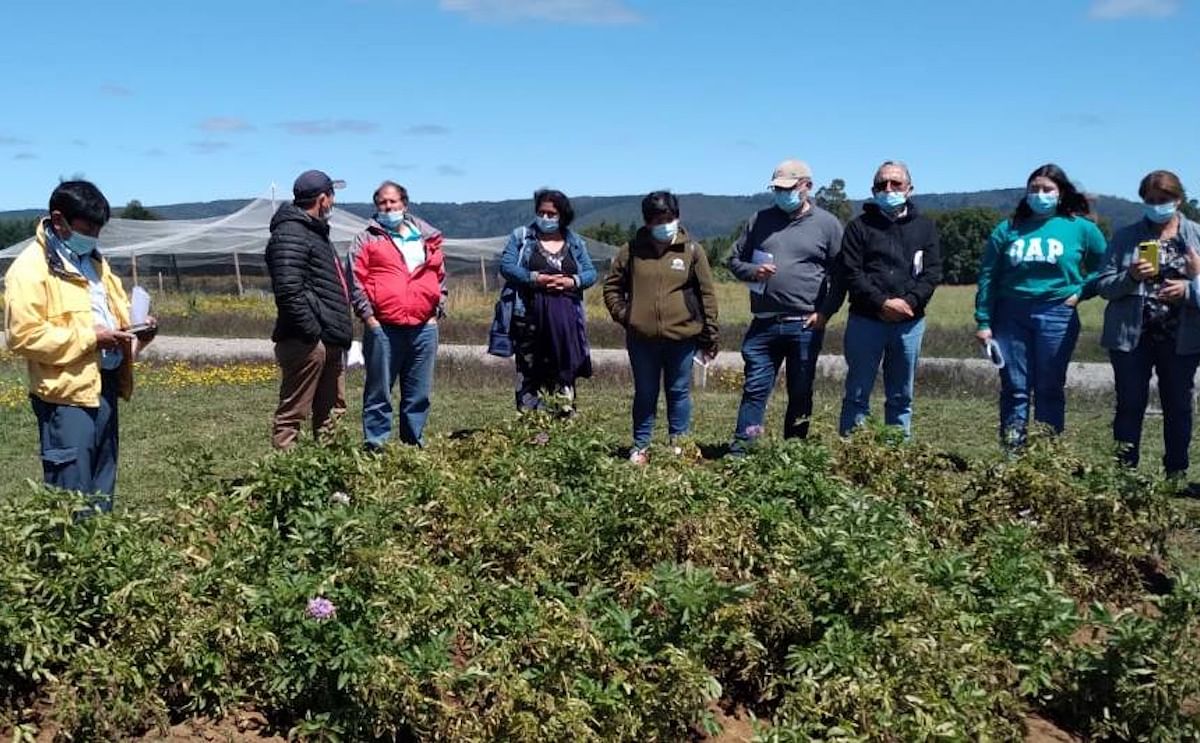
(786, 254)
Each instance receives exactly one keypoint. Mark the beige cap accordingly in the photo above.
(790, 172)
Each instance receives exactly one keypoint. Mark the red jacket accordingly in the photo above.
(383, 286)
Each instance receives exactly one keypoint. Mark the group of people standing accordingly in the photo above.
(69, 316)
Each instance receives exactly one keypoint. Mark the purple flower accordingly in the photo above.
(320, 609)
(542, 438)
(754, 431)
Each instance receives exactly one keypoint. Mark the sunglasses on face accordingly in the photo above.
(882, 185)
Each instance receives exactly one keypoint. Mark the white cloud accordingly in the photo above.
(1115, 9)
(209, 147)
(320, 127)
(555, 11)
(225, 124)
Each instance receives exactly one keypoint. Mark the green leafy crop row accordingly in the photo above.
(522, 583)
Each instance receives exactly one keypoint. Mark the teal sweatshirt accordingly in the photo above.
(1044, 259)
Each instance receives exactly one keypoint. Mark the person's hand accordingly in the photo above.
(112, 340)
(1193, 262)
(372, 323)
(764, 271)
(1072, 300)
(815, 321)
(983, 335)
(896, 310)
(148, 335)
(1141, 270)
(544, 280)
(563, 283)
(1173, 291)
(708, 354)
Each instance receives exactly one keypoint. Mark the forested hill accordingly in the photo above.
(704, 215)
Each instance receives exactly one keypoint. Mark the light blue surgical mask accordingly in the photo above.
(81, 245)
(789, 201)
(665, 233)
(1042, 203)
(547, 225)
(1160, 213)
(390, 219)
(891, 201)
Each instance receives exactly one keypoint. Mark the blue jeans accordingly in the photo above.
(1131, 370)
(769, 343)
(392, 352)
(79, 445)
(666, 363)
(867, 342)
(1037, 339)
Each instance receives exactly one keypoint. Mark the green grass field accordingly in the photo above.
(178, 412)
(950, 331)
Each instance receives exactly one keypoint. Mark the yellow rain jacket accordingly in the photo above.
(48, 320)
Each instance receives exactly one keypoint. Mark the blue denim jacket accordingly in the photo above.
(1123, 315)
(514, 262)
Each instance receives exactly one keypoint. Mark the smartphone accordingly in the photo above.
(142, 329)
(1148, 251)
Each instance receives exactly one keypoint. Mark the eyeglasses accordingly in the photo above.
(882, 185)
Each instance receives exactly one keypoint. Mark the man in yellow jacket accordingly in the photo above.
(66, 313)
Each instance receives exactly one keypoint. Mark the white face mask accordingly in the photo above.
(665, 233)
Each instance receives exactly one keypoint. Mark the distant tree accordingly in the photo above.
(832, 198)
(135, 210)
(963, 233)
(612, 234)
(717, 250)
(1191, 209)
(13, 231)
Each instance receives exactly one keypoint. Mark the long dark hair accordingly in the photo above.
(1071, 203)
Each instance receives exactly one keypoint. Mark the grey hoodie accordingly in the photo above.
(803, 251)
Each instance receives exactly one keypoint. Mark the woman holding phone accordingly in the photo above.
(1037, 266)
(1152, 321)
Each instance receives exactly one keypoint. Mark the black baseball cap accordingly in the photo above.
(312, 183)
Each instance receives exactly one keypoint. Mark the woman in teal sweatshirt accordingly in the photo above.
(1037, 266)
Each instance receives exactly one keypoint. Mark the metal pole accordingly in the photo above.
(483, 272)
(237, 271)
(133, 259)
(160, 284)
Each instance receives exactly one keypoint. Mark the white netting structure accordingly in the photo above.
(234, 244)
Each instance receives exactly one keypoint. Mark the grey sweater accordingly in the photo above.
(803, 251)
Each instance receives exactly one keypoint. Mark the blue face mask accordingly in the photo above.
(547, 225)
(81, 245)
(1042, 203)
(891, 201)
(1159, 213)
(390, 219)
(665, 233)
(789, 201)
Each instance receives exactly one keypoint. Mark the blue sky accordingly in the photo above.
(467, 100)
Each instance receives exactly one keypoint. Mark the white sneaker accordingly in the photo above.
(638, 457)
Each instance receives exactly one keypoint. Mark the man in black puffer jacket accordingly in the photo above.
(313, 328)
(890, 263)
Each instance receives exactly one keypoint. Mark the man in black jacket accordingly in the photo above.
(313, 327)
(890, 264)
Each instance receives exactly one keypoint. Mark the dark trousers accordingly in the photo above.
(1131, 370)
(768, 344)
(79, 445)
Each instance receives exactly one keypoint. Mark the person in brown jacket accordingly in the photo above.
(660, 288)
